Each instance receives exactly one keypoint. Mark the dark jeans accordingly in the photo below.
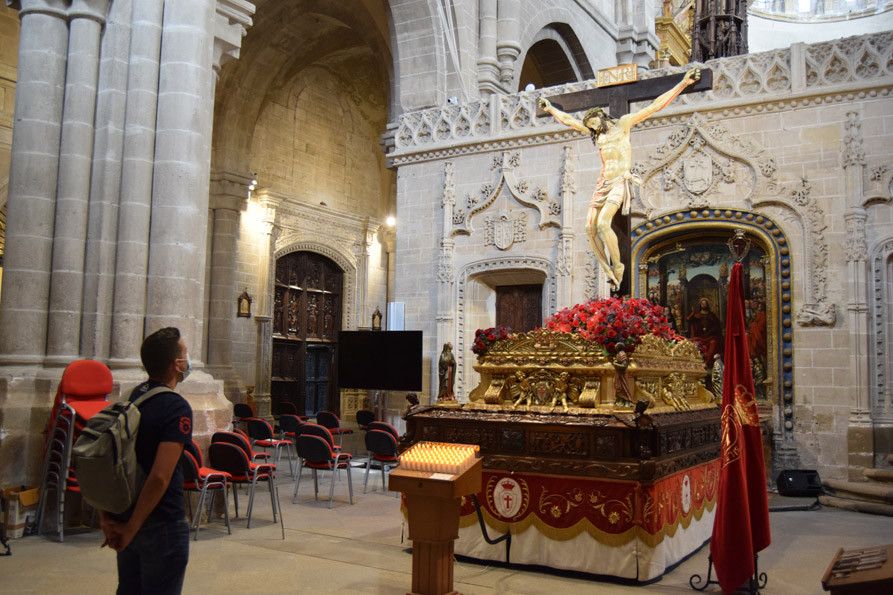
(155, 561)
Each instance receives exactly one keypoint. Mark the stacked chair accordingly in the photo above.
(261, 433)
(83, 392)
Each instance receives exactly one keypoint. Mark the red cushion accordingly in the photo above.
(271, 443)
(204, 472)
(385, 458)
(247, 478)
(341, 465)
(261, 455)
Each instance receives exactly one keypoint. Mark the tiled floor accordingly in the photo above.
(358, 549)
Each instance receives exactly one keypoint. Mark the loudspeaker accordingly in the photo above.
(799, 482)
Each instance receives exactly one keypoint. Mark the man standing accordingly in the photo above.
(612, 188)
(152, 538)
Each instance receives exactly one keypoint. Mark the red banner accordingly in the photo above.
(613, 512)
(741, 526)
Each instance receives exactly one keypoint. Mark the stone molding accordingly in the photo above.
(228, 191)
(505, 263)
(828, 72)
(505, 164)
(879, 357)
(231, 23)
(853, 153)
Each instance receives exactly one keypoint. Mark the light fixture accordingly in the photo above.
(253, 183)
(391, 221)
(530, 87)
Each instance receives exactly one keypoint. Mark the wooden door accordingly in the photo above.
(519, 307)
(306, 321)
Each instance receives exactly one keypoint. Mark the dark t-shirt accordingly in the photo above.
(166, 417)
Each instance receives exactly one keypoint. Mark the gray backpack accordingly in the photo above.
(104, 456)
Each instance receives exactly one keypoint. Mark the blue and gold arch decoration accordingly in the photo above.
(652, 236)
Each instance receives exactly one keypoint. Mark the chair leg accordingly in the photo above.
(294, 497)
(279, 508)
(315, 485)
(332, 489)
(198, 510)
(366, 475)
(291, 462)
(272, 487)
(226, 485)
(236, 498)
(251, 500)
(349, 483)
(384, 489)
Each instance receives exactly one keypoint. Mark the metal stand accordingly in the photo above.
(754, 584)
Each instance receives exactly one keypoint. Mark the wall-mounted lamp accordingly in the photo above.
(376, 319)
(391, 221)
(244, 305)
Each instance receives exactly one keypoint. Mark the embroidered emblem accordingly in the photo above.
(185, 425)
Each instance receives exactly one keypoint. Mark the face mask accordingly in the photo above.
(185, 373)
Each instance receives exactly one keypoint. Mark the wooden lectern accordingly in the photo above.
(433, 500)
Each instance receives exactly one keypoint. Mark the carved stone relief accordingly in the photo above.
(879, 298)
(506, 165)
(506, 228)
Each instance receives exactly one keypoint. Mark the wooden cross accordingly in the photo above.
(618, 99)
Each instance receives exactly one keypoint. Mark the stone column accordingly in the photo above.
(181, 177)
(488, 64)
(228, 195)
(446, 301)
(860, 433)
(137, 168)
(564, 264)
(43, 48)
(508, 46)
(269, 231)
(75, 163)
(361, 252)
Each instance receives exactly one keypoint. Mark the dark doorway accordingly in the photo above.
(306, 321)
(519, 307)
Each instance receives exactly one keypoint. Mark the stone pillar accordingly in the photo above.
(228, 196)
(564, 263)
(361, 252)
(508, 46)
(137, 167)
(446, 299)
(75, 163)
(488, 64)
(181, 177)
(860, 433)
(43, 48)
(269, 231)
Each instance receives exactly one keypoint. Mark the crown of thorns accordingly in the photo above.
(595, 112)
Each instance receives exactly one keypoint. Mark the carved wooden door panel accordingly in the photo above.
(519, 307)
(306, 321)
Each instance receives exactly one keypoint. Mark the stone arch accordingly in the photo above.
(419, 55)
(881, 332)
(556, 41)
(774, 241)
(471, 271)
(345, 262)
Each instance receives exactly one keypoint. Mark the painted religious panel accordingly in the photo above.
(690, 278)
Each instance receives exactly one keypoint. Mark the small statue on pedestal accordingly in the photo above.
(560, 390)
(446, 371)
(622, 390)
(521, 390)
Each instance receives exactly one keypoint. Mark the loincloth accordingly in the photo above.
(616, 191)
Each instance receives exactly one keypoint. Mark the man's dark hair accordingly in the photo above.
(600, 113)
(160, 349)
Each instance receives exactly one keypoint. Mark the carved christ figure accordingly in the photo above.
(612, 189)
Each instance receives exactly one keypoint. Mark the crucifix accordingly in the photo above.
(609, 236)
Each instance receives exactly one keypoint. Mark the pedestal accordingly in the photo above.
(433, 501)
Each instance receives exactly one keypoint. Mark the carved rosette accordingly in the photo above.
(545, 371)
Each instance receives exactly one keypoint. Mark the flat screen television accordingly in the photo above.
(380, 360)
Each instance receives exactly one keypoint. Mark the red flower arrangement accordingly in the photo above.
(613, 323)
(483, 338)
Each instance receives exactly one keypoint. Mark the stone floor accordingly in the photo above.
(360, 549)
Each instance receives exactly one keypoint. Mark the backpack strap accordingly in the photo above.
(155, 391)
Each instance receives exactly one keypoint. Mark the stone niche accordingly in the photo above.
(546, 371)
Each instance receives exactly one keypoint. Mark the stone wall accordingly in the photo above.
(806, 130)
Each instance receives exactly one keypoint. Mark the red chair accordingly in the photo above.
(385, 427)
(244, 439)
(382, 447)
(234, 460)
(318, 453)
(364, 418)
(261, 432)
(198, 478)
(83, 392)
(329, 420)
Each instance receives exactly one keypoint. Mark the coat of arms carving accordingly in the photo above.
(697, 172)
(506, 228)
